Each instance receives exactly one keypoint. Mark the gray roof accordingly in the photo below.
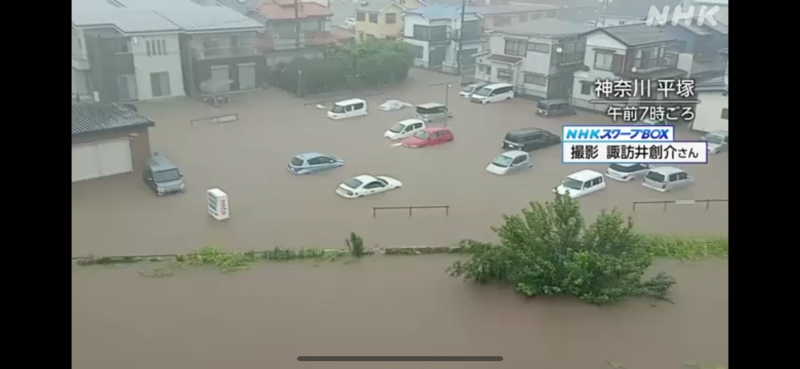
(507, 9)
(636, 34)
(99, 117)
(545, 27)
(139, 16)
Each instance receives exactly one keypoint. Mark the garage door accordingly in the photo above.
(100, 159)
(247, 76)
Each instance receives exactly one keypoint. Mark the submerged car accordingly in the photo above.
(405, 129)
(392, 105)
(626, 172)
(310, 162)
(428, 137)
(470, 89)
(365, 185)
(581, 183)
(717, 141)
(509, 162)
(651, 122)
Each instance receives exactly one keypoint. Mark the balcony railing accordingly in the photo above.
(468, 36)
(668, 61)
(562, 59)
(224, 52)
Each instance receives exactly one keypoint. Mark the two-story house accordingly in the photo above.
(630, 52)
(122, 54)
(439, 39)
(281, 41)
(383, 19)
(217, 45)
(537, 57)
(711, 113)
(510, 15)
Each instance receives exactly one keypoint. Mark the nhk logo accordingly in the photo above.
(699, 14)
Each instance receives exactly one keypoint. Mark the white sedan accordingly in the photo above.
(365, 185)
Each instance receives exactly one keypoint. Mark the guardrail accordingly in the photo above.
(218, 119)
(678, 202)
(410, 209)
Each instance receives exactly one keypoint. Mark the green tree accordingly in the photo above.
(548, 250)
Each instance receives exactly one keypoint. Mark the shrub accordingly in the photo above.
(355, 244)
(548, 250)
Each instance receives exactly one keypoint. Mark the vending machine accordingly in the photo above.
(218, 204)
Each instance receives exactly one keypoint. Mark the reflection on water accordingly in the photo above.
(266, 317)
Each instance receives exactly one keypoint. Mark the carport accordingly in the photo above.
(107, 139)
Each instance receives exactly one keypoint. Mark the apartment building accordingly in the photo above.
(435, 32)
(537, 57)
(627, 52)
(281, 40)
(136, 50)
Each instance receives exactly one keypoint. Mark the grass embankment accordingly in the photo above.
(668, 247)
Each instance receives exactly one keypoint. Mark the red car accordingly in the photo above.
(428, 137)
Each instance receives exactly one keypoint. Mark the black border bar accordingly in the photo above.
(399, 358)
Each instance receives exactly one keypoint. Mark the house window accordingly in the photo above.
(505, 74)
(523, 17)
(159, 82)
(501, 21)
(603, 61)
(586, 88)
(122, 46)
(373, 17)
(360, 16)
(725, 113)
(418, 51)
(486, 69)
(156, 47)
(421, 32)
(535, 79)
(539, 47)
(514, 47)
(391, 18)
(210, 47)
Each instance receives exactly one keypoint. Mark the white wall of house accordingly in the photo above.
(708, 113)
(78, 44)
(597, 40)
(408, 32)
(80, 84)
(167, 61)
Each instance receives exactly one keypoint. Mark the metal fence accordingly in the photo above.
(677, 202)
(218, 119)
(411, 209)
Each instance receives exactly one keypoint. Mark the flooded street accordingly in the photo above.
(270, 207)
(266, 317)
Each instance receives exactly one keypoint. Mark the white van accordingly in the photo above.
(493, 93)
(581, 183)
(348, 109)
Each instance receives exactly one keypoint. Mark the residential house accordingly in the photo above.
(704, 40)
(217, 45)
(107, 139)
(495, 16)
(711, 113)
(124, 54)
(537, 57)
(630, 52)
(383, 19)
(282, 42)
(438, 36)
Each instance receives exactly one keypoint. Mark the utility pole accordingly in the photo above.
(447, 86)
(459, 63)
(297, 47)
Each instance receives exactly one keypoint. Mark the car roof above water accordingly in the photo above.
(513, 154)
(524, 131)
(349, 102)
(585, 175)
(308, 155)
(160, 162)
(667, 170)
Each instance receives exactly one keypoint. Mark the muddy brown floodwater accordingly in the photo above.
(266, 317)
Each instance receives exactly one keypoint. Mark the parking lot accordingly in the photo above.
(270, 207)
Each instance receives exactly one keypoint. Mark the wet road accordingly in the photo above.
(266, 317)
(270, 207)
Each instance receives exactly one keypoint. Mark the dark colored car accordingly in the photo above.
(529, 139)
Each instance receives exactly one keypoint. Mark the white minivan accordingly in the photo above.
(581, 183)
(348, 109)
(493, 93)
(404, 129)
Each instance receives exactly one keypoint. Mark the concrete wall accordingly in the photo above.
(78, 45)
(145, 65)
(708, 113)
(139, 140)
(106, 65)
(202, 69)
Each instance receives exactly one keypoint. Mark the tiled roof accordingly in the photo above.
(377, 5)
(509, 9)
(545, 27)
(194, 17)
(636, 34)
(129, 21)
(98, 117)
(440, 11)
(504, 59)
(277, 12)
